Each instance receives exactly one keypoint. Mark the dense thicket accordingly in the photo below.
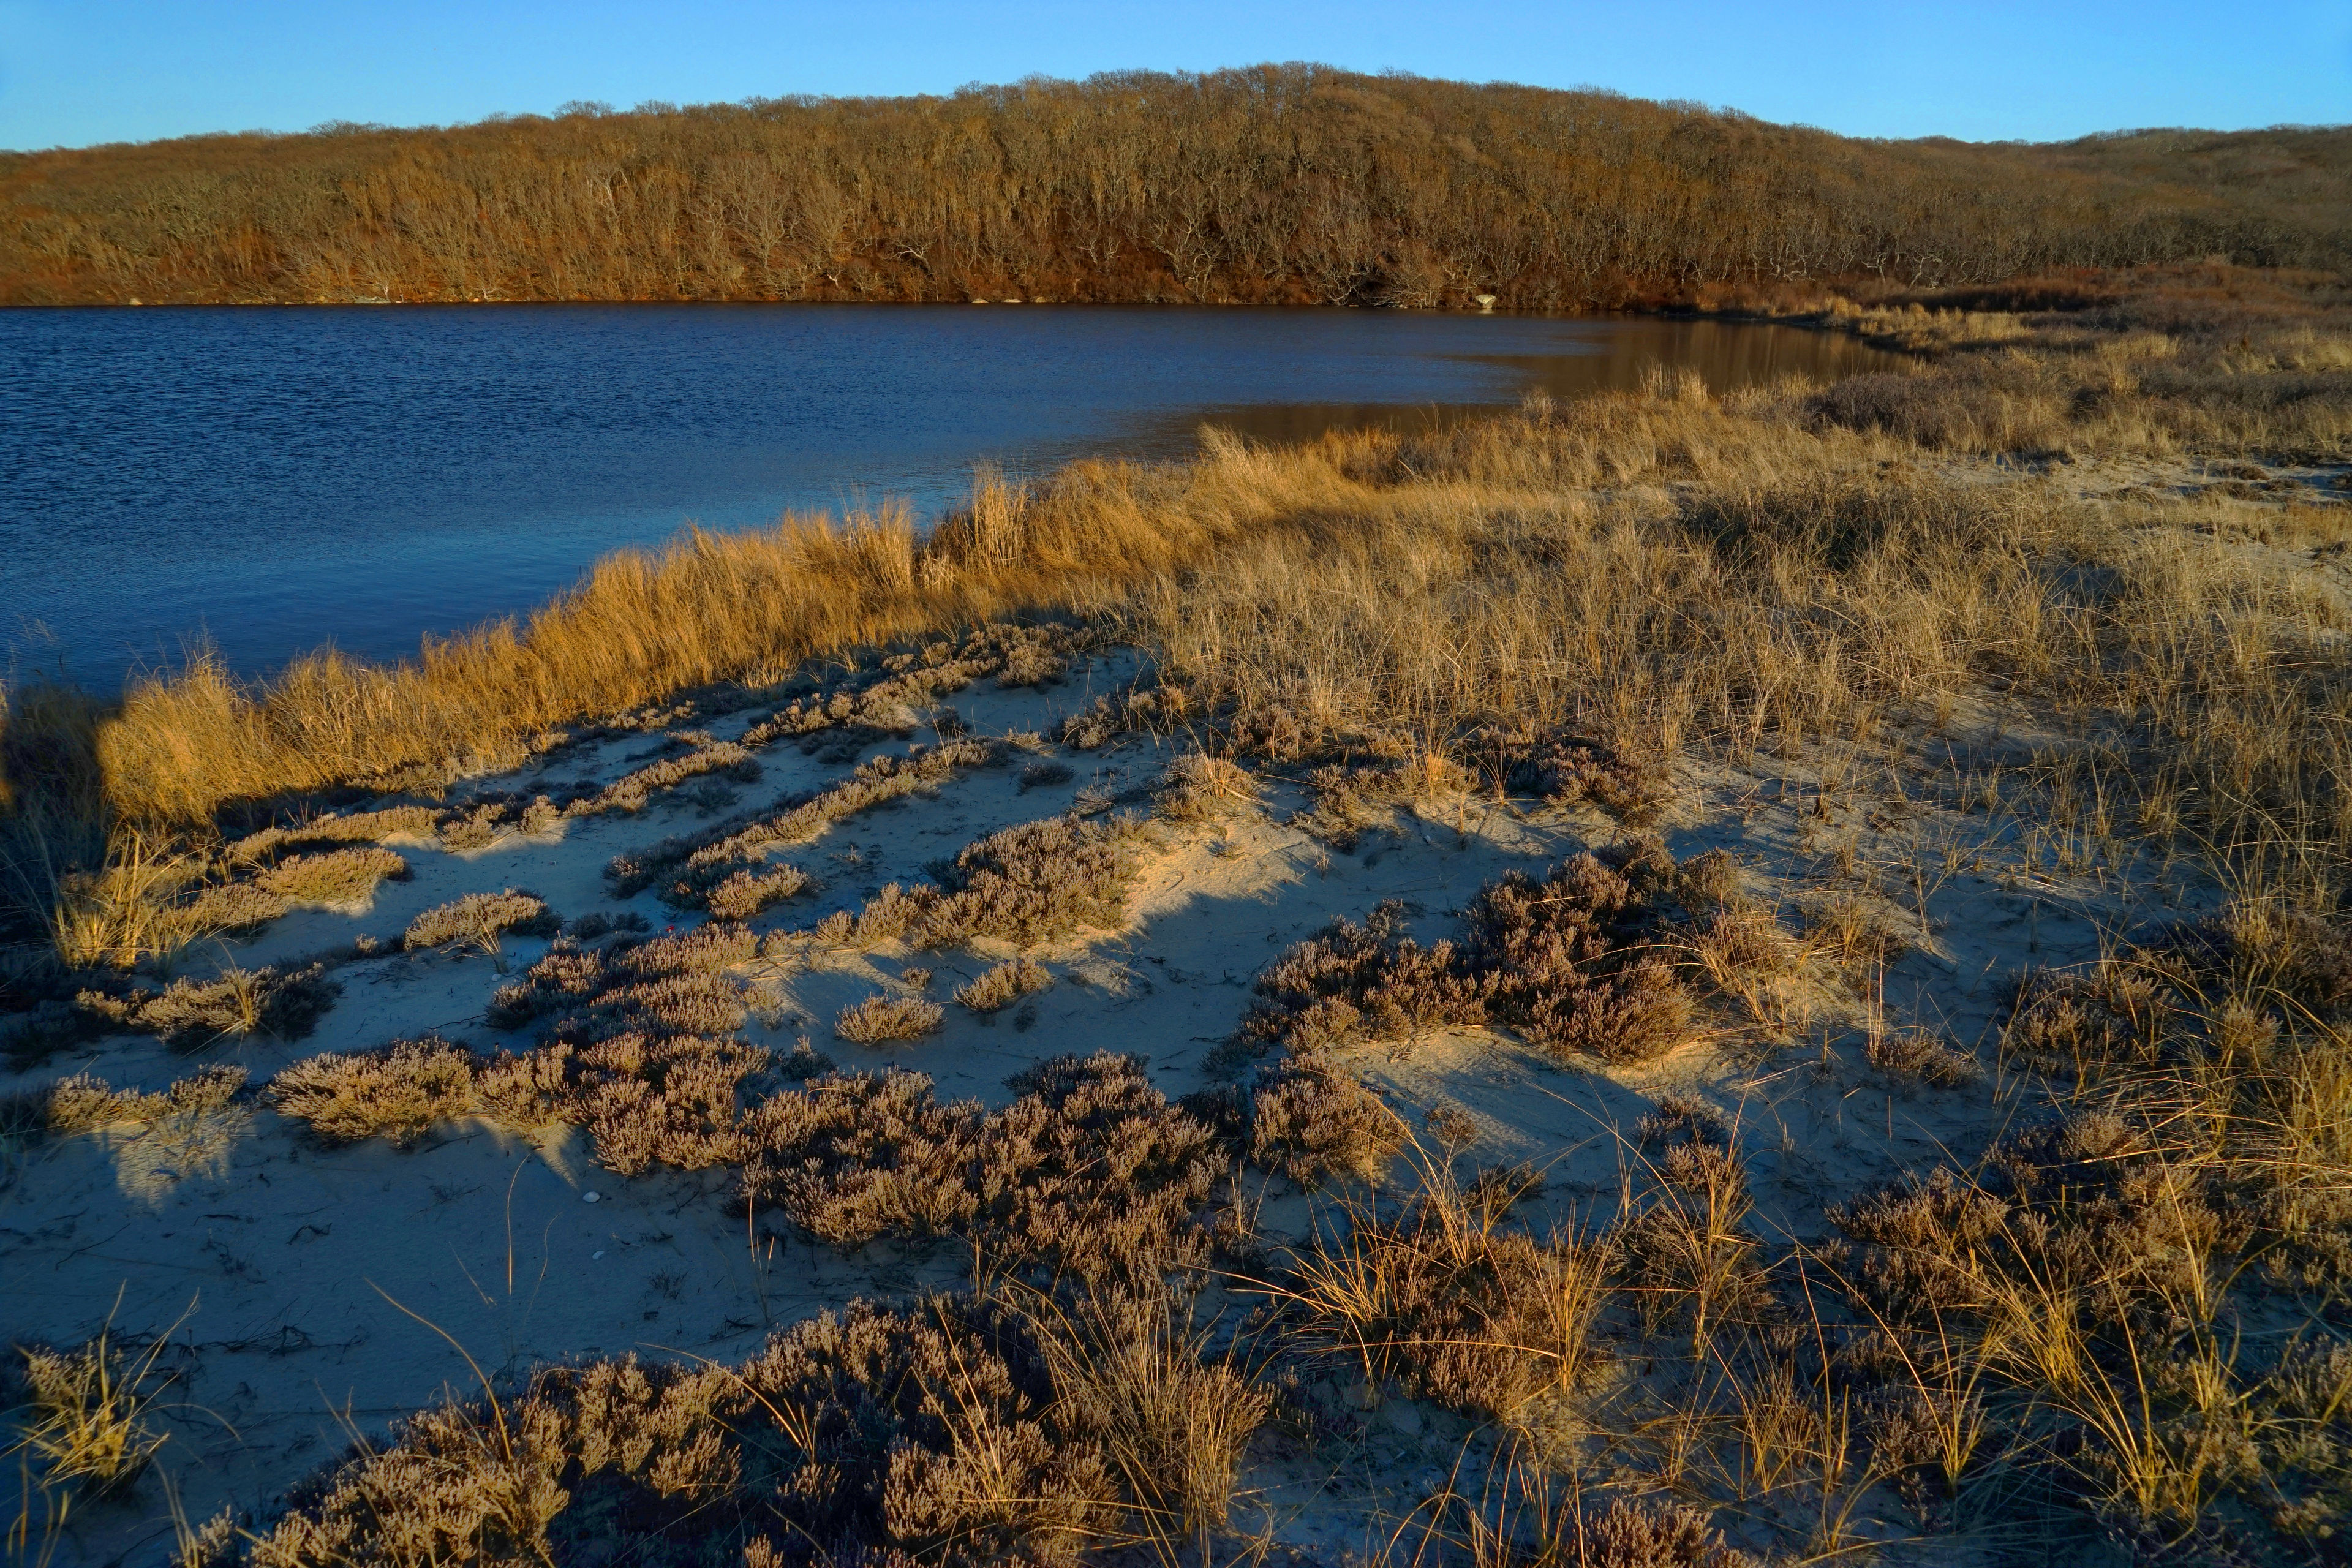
(1289, 183)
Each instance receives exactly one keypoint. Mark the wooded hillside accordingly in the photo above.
(1274, 184)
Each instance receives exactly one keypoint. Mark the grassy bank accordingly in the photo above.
(1660, 568)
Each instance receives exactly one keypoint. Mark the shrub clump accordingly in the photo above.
(1368, 981)
(1570, 960)
(1198, 787)
(640, 1047)
(632, 792)
(85, 1103)
(1920, 1055)
(1310, 1125)
(1033, 883)
(1565, 770)
(1004, 984)
(337, 878)
(359, 827)
(871, 1436)
(480, 919)
(1027, 884)
(1091, 1170)
(190, 1014)
(675, 983)
(744, 893)
(395, 1093)
(878, 1020)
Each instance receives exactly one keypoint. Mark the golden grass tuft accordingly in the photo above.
(90, 1420)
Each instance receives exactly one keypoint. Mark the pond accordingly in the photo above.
(271, 479)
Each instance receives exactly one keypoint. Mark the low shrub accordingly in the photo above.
(1365, 980)
(396, 1093)
(1572, 961)
(1920, 1055)
(1033, 883)
(1028, 884)
(632, 792)
(685, 869)
(480, 919)
(859, 1156)
(873, 1436)
(357, 827)
(1004, 984)
(190, 1014)
(1654, 1535)
(1567, 770)
(336, 879)
(1310, 1125)
(84, 1103)
(879, 1020)
(745, 893)
(1032, 665)
(672, 1101)
(1198, 787)
(1090, 1171)
(476, 828)
(640, 1046)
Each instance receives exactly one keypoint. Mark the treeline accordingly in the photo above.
(1295, 184)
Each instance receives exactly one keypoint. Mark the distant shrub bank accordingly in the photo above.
(1292, 183)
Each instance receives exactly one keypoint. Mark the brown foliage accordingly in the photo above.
(357, 828)
(871, 1436)
(1090, 1171)
(1032, 883)
(1268, 183)
(191, 1013)
(1027, 884)
(1004, 984)
(1310, 1124)
(880, 1019)
(397, 1093)
(481, 919)
(1571, 961)
(694, 866)
(84, 1103)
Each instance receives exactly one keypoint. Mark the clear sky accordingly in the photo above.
(73, 72)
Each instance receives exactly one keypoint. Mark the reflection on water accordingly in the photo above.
(273, 479)
(1617, 358)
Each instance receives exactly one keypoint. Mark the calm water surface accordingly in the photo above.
(273, 479)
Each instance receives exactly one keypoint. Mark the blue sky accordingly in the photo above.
(73, 72)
